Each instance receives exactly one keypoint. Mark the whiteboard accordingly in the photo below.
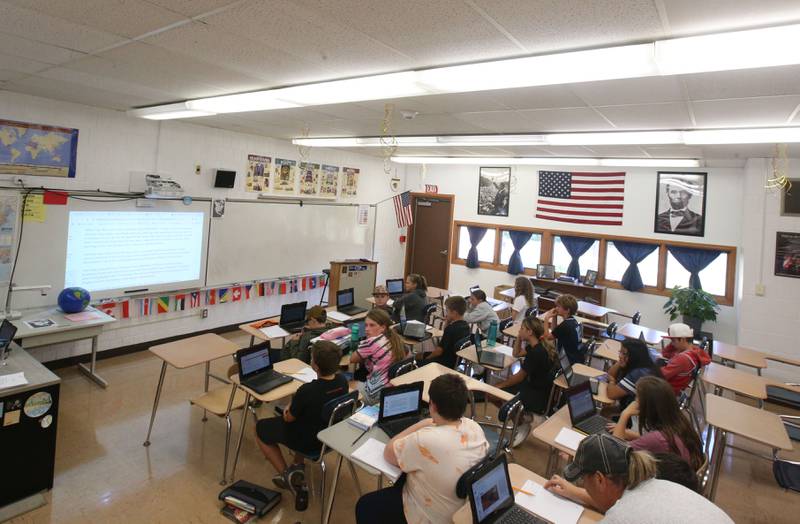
(42, 255)
(261, 240)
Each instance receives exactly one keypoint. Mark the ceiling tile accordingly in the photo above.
(617, 151)
(439, 104)
(647, 90)
(495, 121)
(674, 151)
(692, 17)
(33, 50)
(6, 76)
(741, 112)
(552, 120)
(193, 7)
(23, 65)
(122, 17)
(425, 124)
(569, 151)
(106, 83)
(674, 115)
(550, 25)
(543, 97)
(440, 32)
(71, 92)
(742, 151)
(743, 83)
(51, 30)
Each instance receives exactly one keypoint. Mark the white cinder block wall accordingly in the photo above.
(112, 144)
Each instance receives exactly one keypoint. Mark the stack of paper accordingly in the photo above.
(274, 332)
(12, 380)
(371, 454)
(548, 506)
(502, 348)
(365, 417)
(304, 375)
(339, 317)
(569, 438)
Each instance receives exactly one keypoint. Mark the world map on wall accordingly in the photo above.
(34, 149)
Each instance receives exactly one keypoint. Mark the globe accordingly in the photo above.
(73, 299)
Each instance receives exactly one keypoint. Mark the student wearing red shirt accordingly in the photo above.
(683, 357)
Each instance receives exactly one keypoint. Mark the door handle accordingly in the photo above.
(443, 252)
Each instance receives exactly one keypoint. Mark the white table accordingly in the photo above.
(63, 331)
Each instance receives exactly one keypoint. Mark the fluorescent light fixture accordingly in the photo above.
(614, 138)
(550, 161)
(393, 85)
(561, 68)
(768, 47)
(168, 112)
(404, 141)
(765, 135)
(256, 101)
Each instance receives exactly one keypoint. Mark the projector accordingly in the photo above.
(157, 186)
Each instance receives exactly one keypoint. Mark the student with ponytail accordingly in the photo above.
(382, 348)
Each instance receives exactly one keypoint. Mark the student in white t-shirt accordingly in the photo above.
(524, 298)
(620, 482)
(433, 454)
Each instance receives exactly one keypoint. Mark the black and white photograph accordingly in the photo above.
(681, 203)
(218, 209)
(590, 279)
(787, 254)
(494, 186)
(41, 323)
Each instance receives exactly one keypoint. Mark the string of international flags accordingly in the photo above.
(122, 308)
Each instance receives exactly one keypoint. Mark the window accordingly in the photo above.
(562, 259)
(616, 265)
(713, 278)
(530, 252)
(485, 247)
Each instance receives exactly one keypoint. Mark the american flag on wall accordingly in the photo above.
(581, 198)
(402, 209)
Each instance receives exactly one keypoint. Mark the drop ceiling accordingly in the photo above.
(121, 54)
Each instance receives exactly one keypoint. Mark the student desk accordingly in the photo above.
(651, 336)
(547, 432)
(64, 331)
(471, 355)
(518, 476)
(513, 330)
(256, 333)
(339, 438)
(723, 377)
(728, 416)
(427, 373)
(186, 353)
(287, 367)
(739, 355)
(608, 350)
(581, 369)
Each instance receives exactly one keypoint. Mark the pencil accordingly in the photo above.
(523, 491)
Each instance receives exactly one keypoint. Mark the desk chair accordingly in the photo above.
(220, 402)
(461, 364)
(784, 397)
(502, 437)
(504, 324)
(611, 332)
(334, 411)
(589, 346)
(686, 400)
(402, 367)
(427, 313)
(636, 318)
(532, 312)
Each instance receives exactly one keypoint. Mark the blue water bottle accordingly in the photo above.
(491, 339)
(354, 335)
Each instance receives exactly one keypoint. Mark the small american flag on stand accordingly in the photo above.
(402, 209)
(581, 198)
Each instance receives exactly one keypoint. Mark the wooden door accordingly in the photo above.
(428, 248)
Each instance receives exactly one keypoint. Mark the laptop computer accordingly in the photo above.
(572, 378)
(491, 497)
(345, 300)
(255, 370)
(582, 411)
(488, 358)
(293, 317)
(7, 332)
(396, 287)
(400, 408)
(413, 330)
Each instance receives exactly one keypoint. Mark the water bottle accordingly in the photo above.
(402, 318)
(354, 337)
(491, 339)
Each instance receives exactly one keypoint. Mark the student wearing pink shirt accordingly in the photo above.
(382, 348)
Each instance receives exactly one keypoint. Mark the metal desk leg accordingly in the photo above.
(228, 435)
(155, 402)
(252, 340)
(205, 387)
(90, 371)
(719, 454)
(241, 434)
(327, 506)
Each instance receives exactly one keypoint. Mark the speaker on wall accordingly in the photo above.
(224, 178)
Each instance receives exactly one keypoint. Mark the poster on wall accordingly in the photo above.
(9, 204)
(36, 149)
(258, 168)
(494, 185)
(284, 175)
(309, 179)
(329, 181)
(787, 254)
(681, 203)
(350, 181)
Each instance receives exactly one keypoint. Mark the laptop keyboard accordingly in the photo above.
(596, 424)
(517, 515)
(395, 427)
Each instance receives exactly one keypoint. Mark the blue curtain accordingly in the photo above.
(576, 246)
(633, 253)
(476, 234)
(694, 261)
(518, 239)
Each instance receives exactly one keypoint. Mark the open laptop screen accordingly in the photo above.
(7, 332)
(395, 286)
(490, 492)
(566, 367)
(344, 298)
(291, 313)
(254, 362)
(403, 402)
(581, 403)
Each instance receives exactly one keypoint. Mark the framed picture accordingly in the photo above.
(494, 185)
(546, 271)
(787, 254)
(681, 203)
(590, 278)
(790, 199)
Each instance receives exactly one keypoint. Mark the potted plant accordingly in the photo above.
(695, 305)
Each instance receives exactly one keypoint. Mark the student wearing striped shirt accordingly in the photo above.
(382, 348)
(634, 363)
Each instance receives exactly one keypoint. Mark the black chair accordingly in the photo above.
(501, 436)
(427, 313)
(402, 367)
(532, 312)
(465, 480)
(504, 324)
(589, 348)
(636, 318)
(461, 364)
(611, 332)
